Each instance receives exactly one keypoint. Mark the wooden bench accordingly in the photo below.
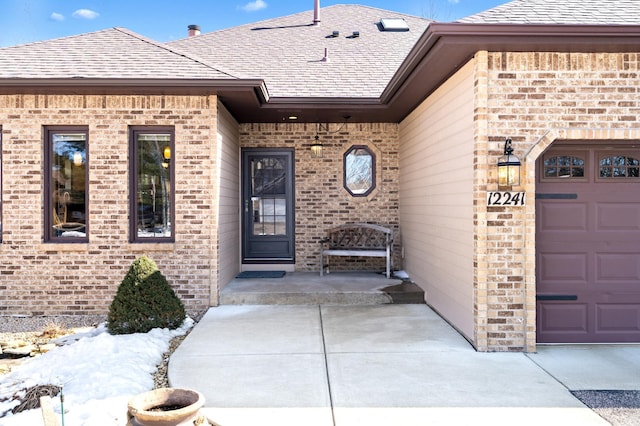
(357, 239)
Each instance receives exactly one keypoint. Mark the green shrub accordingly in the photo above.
(144, 300)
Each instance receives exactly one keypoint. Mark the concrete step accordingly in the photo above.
(308, 288)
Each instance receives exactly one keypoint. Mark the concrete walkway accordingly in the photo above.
(382, 365)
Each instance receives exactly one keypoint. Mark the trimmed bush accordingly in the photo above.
(144, 300)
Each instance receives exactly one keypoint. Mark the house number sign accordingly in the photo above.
(497, 198)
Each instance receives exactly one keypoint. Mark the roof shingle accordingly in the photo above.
(591, 12)
(287, 52)
(112, 53)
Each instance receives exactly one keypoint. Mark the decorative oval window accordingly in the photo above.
(359, 171)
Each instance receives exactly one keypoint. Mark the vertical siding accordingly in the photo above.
(228, 155)
(436, 198)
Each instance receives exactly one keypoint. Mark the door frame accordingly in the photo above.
(246, 214)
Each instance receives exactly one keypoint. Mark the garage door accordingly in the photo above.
(588, 244)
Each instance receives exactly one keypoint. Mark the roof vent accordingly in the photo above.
(316, 12)
(393, 24)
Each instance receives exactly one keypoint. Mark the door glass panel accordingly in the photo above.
(268, 196)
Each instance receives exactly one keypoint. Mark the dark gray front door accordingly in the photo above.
(588, 245)
(267, 197)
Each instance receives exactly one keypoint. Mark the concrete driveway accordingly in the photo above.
(318, 365)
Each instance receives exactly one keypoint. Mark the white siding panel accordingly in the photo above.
(228, 212)
(436, 198)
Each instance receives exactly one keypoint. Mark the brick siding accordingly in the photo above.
(44, 279)
(321, 201)
(535, 98)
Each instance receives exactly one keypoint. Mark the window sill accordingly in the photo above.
(147, 247)
(65, 247)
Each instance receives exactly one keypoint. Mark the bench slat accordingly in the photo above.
(368, 253)
(357, 239)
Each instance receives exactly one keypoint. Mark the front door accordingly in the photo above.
(267, 202)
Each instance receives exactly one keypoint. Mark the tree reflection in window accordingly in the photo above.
(152, 192)
(359, 171)
(66, 182)
(268, 195)
(619, 166)
(563, 166)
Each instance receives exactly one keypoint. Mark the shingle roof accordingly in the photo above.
(594, 12)
(112, 53)
(287, 52)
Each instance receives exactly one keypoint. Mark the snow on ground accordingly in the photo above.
(99, 373)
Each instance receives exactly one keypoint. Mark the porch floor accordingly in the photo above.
(309, 288)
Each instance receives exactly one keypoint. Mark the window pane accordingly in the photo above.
(359, 171)
(619, 166)
(68, 167)
(268, 195)
(154, 198)
(564, 167)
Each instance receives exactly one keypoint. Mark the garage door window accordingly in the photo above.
(618, 166)
(563, 166)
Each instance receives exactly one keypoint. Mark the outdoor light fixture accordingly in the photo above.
(316, 148)
(508, 167)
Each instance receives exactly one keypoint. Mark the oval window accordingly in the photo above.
(359, 171)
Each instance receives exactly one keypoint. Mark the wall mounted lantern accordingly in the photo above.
(508, 167)
(316, 148)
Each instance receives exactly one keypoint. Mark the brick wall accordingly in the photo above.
(320, 200)
(535, 98)
(44, 279)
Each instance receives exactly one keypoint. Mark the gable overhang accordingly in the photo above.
(445, 47)
(441, 50)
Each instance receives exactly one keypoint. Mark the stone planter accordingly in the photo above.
(165, 407)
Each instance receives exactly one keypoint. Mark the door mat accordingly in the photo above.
(261, 274)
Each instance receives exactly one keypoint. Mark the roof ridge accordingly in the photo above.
(258, 24)
(597, 12)
(175, 51)
(380, 9)
(56, 39)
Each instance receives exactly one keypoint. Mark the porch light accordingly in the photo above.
(316, 148)
(508, 167)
